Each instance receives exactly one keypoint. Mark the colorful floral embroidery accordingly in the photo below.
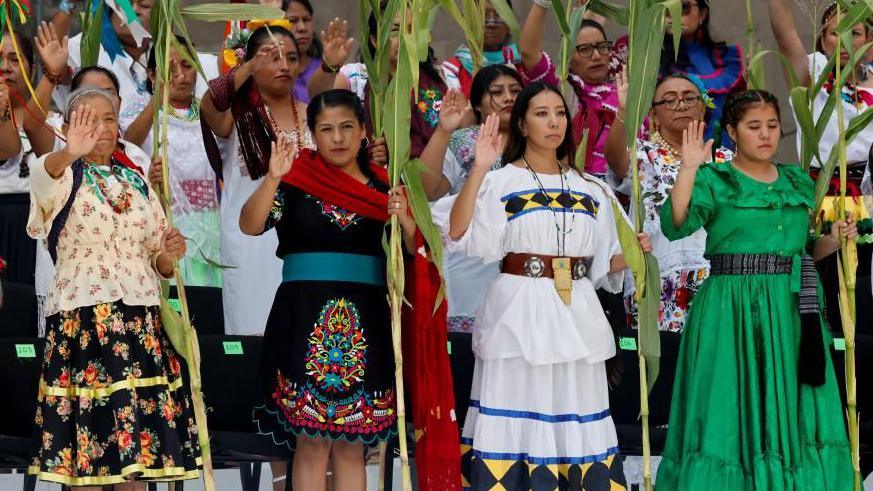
(341, 217)
(429, 103)
(677, 291)
(333, 399)
(337, 347)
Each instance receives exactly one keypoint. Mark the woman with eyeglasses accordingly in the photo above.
(596, 100)
(719, 65)
(679, 100)
(499, 49)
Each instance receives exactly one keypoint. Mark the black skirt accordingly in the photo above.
(328, 364)
(112, 403)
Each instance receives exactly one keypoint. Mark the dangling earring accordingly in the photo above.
(365, 142)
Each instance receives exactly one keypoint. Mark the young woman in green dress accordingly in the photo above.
(755, 403)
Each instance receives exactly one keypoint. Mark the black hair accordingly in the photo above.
(704, 37)
(427, 66)
(826, 17)
(316, 49)
(483, 79)
(594, 25)
(25, 46)
(518, 142)
(77, 78)
(264, 35)
(347, 99)
(152, 64)
(739, 102)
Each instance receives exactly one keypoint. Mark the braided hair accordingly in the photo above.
(738, 103)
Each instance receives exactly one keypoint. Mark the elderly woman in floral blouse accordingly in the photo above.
(112, 406)
(679, 100)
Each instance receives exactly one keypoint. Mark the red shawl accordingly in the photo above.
(426, 363)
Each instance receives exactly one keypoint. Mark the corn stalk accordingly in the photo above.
(166, 16)
(646, 25)
(755, 78)
(847, 265)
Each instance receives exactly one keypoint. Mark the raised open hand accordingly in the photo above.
(695, 148)
(621, 88)
(52, 51)
(337, 45)
(282, 154)
(453, 111)
(83, 131)
(489, 143)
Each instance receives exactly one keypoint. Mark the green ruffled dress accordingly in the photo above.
(740, 420)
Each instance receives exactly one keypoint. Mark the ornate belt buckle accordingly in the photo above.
(534, 267)
(580, 270)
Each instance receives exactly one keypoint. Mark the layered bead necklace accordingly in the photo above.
(659, 140)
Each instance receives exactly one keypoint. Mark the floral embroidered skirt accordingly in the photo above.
(677, 290)
(112, 404)
(328, 364)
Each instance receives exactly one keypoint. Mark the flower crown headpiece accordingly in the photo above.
(704, 94)
(234, 53)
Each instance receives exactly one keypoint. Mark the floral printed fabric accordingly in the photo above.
(111, 404)
(103, 256)
(683, 267)
(677, 290)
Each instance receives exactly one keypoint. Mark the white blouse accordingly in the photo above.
(522, 316)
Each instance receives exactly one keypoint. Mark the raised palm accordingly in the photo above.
(695, 148)
(282, 155)
(489, 143)
(337, 45)
(454, 110)
(52, 49)
(621, 88)
(83, 131)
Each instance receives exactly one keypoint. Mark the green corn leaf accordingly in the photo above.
(473, 43)
(582, 151)
(561, 17)
(505, 11)
(222, 12)
(630, 248)
(756, 65)
(411, 174)
(91, 33)
(649, 338)
(854, 14)
(803, 115)
(611, 11)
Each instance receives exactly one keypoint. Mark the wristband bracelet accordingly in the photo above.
(328, 68)
(53, 78)
(546, 4)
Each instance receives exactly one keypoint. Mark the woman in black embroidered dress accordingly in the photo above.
(328, 348)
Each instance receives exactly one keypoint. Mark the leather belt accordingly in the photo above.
(540, 265)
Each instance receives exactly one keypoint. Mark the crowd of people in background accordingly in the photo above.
(279, 197)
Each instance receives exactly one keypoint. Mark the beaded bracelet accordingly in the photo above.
(546, 4)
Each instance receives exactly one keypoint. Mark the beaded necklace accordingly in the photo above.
(189, 114)
(96, 175)
(659, 140)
